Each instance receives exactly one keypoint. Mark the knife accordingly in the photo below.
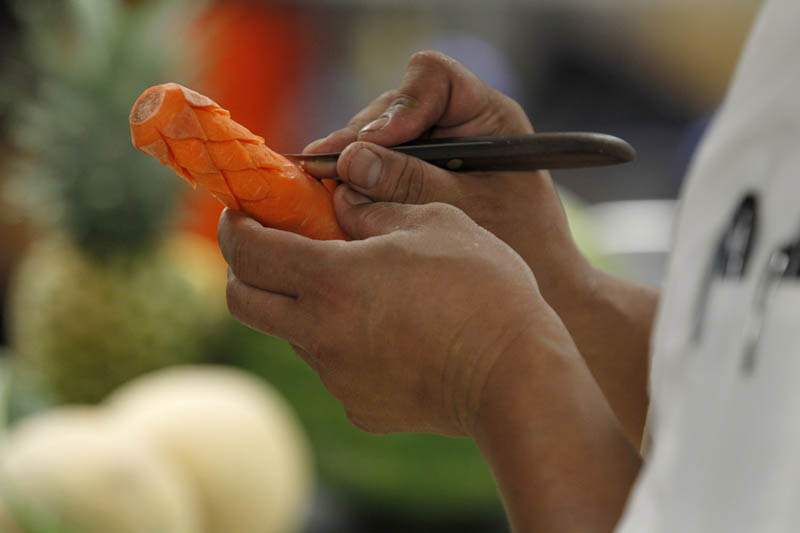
(536, 151)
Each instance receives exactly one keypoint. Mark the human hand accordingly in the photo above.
(609, 319)
(429, 323)
(439, 97)
(414, 326)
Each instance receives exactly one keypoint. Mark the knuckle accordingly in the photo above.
(376, 105)
(344, 136)
(397, 250)
(236, 249)
(243, 306)
(514, 106)
(374, 217)
(364, 424)
(442, 215)
(236, 299)
(335, 385)
(407, 179)
(309, 358)
(356, 146)
(240, 255)
(228, 237)
(356, 420)
(233, 242)
(315, 347)
(415, 180)
(388, 96)
(323, 346)
(232, 298)
(509, 115)
(402, 100)
(501, 99)
(430, 57)
(438, 211)
(349, 133)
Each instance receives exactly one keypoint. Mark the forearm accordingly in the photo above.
(611, 321)
(557, 451)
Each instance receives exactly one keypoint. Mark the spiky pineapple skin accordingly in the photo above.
(81, 327)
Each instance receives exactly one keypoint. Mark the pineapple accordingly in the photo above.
(85, 327)
(101, 298)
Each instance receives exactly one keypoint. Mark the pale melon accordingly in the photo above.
(71, 469)
(233, 437)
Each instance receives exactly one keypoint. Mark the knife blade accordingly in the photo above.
(536, 151)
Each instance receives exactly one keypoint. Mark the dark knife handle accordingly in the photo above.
(522, 152)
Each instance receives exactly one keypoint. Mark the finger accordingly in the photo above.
(360, 218)
(439, 96)
(386, 175)
(336, 141)
(321, 169)
(339, 139)
(268, 312)
(265, 258)
(436, 91)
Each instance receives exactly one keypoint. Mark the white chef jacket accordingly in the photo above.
(726, 443)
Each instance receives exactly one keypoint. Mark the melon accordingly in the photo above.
(71, 469)
(232, 436)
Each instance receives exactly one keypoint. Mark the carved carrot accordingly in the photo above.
(198, 139)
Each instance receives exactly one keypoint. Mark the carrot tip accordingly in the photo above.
(196, 99)
(147, 105)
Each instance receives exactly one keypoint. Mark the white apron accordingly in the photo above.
(726, 440)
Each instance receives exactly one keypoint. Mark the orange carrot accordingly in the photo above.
(198, 139)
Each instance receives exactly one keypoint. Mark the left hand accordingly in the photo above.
(414, 327)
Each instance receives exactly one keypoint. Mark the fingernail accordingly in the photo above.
(365, 168)
(375, 125)
(354, 198)
(320, 169)
(311, 146)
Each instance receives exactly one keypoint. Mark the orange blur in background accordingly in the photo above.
(260, 89)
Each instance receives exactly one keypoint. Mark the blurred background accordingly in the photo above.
(109, 270)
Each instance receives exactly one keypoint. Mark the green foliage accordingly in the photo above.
(31, 520)
(427, 477)
(78, 171)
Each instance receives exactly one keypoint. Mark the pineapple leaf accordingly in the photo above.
(78, 172)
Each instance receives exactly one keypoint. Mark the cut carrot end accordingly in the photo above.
(147, 105)
(203, 145)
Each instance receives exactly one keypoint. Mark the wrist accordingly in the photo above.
(526, 375)
(569, 281)
(556, 450)
(610, 321)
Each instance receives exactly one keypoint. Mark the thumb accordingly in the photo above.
(383, 174)
(362, 218)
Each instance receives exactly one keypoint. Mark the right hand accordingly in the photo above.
(609, 319)
(439, 97)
